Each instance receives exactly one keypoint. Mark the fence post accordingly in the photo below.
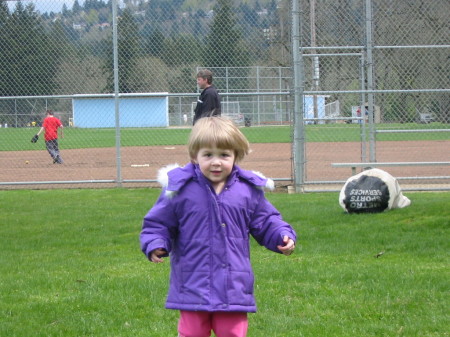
(116, 94)
(370, 100)
(299, 131)
(362, 123)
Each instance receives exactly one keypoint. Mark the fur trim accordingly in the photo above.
(269, 183)
(163, 178)
(259, 174)
(170, 194)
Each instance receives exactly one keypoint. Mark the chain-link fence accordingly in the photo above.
(385, 64)
(121, 77)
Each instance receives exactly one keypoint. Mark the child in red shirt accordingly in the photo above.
(51, 125)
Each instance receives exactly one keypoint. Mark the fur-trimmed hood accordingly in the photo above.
(173, 177)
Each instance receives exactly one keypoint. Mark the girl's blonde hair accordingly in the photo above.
(217, 132)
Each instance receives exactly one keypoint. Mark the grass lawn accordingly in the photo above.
(70, 265)
(18, 139)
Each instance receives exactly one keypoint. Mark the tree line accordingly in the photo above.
(161, 42)
(42, 54)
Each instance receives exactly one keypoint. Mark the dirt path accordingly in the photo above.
(273, 160)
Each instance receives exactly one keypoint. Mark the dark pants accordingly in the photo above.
(53, 150)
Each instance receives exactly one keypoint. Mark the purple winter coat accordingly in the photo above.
(207, 237)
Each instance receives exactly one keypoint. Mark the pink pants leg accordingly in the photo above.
(224, 324)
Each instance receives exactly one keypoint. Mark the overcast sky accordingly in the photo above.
(46, 5)
(52, 5)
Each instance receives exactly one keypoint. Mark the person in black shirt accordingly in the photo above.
(208, 104)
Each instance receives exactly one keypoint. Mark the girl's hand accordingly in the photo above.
(288, 247)
(155, 255)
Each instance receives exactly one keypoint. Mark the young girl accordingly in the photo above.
(203, 219)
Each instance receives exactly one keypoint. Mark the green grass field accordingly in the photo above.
(12, 139)
(70, 265)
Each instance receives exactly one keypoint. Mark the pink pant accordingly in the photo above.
(224, 324)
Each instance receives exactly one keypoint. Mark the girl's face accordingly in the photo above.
(216, 165)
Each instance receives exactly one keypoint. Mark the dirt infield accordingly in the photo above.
(274, 160)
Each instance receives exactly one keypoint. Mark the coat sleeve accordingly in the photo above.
(159, 226)
(267, 226)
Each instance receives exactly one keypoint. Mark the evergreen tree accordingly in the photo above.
(224, 45)
(184, 82)
(128, 53)
(175, 31)
(152, 12)
(29, 56)
(167, 11)
(180, 50)
(4, 47)
(60, 38)
(152, 40)
(76, 8)
(198, 29)
(65, 11)
(4, 13)
(249, 15)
